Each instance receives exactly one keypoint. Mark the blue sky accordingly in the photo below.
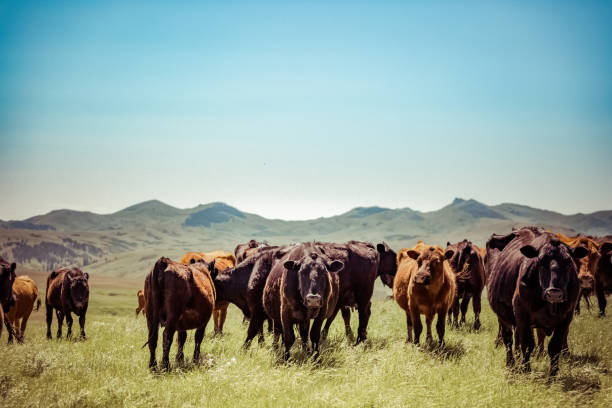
(304, 109)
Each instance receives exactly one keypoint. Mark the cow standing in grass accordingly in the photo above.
(25, 293)
(7, 277)
(67, 293)
(301, 287)
(424, 284)
(179, 297)
(142, 303)
(603, 276)
(533, 283)
(468, 267)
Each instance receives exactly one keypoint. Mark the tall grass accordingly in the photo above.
(110, 368)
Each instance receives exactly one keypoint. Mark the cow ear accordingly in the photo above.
(211, 268)
(413, 254)
(335, 266)
(381, 248)
(605, 247)
(529, 251)
(448, 254)
(13, 267)
(448, 244)
(290, 265)
(579, 252)
(86, 275)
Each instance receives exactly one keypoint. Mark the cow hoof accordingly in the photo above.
(477, 325)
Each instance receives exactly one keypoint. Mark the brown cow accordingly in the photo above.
(468, 267)
(180, 297)
(603, 276)
(533, 283)
(586, 266)
(302, 286)
(424, 284)
(243, 251)
(142, 303)
(26, 295)
(222, 260)
(7, 277)
(363, 263)
(67, 293)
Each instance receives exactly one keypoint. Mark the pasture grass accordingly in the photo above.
(109, 369)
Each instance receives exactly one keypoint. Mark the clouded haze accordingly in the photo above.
(303, 110)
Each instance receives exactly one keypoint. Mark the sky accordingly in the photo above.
(297, 110)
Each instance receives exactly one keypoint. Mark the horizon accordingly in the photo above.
(454, 200)
(298, 111)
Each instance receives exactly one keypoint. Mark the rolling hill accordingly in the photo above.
(127, 242)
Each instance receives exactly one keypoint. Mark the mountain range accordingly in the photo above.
(127, 242)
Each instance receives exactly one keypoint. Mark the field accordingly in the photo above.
(110, 368)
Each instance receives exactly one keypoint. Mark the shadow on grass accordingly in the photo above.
(444, 352)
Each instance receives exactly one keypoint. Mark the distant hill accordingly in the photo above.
(128, 241)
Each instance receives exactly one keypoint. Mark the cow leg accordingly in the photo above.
(11, 328)
(49, 311)
(440, 325)
(418, 326)
(304, 326)
(288, 336)
(499, 340)
(428, 320)
(168, 338)
(24, 323)
(255, 327)
(216, 320)
(329, 321)
(477, 306)
(60, 322)
(541, 336)
(137, 311)
(455, 309)
(408, 328)
(315, 336)
(223, 316)
(153, 326)
(527, 342)
(587, 300)
(199, 336)
(364, 309)
(577, 310)
(601, 298)
(181, 338)
(270, 325)
(465, 302)
(278, 330)
(69, 324)
(506, 334)
(556, 343)
(346, 316)
(82, 322)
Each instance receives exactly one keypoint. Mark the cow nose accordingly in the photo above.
(313, 300)
(422, 279)
(553, 295)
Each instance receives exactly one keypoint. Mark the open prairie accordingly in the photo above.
(110, 368)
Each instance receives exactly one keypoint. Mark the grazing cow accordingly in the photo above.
(603, 276)
(67, 293)
(586, 266)
(222, 261)
(243, 285)
(7, 277)
(533, 283)
(424, 284)
(302, 286)
(142, 303)
(363, 263)
(180, 297)
(468, 267)
(243, 251)
(26, 296)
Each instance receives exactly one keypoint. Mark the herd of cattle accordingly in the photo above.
(534, 279)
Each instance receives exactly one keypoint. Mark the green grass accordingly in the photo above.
(110, 368)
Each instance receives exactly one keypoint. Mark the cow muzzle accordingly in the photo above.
(553, 295)
(422, 279)
(314, 300)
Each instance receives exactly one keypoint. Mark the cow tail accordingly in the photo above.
(37, 303)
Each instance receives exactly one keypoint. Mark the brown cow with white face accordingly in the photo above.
(424, 284)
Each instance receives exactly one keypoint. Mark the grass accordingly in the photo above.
(110, 368)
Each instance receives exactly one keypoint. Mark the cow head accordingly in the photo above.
(78, 288)
(430, 263)
(387, 267)
(7, 277)
(464, 260)
(554, 268)
(313, 279)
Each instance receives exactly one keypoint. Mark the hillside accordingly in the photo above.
(128, 241)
